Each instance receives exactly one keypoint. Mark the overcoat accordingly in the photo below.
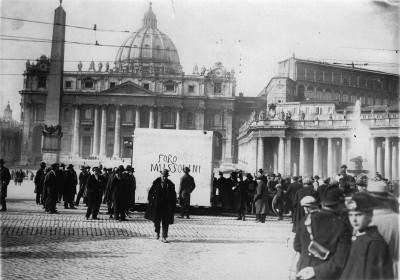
(369, 258)
(38, 181)
(107, 192)
(93, 186)
(70, 182)
(186, 187)
(333, 233)
(261, 198)
(241, 195)
(120, 193)
(154, 199)
(299, 211)
(5, 178)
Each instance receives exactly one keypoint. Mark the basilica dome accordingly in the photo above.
(148, 45)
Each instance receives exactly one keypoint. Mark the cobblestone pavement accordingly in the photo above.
(35, 245)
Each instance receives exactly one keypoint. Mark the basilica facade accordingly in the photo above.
(144, 87)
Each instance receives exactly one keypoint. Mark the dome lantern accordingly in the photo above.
(149, 19)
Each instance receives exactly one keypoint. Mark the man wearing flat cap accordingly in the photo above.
(161, 206)
(323, 239)
(38, 186)
(186, 187)
(5, 178)
(70, 182)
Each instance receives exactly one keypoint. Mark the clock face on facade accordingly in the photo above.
(218, 72)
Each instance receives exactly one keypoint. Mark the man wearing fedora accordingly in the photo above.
(130, 181)
(186, 187)
(120, 194)
(70, 182)
(161, 206)
(38, 183)
(5, 178)
(94, 193)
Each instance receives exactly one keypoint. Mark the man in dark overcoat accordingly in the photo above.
(223, 195)
(38, 181)
(241, 194)
(299, 213)
(120, 194)
(61, 185)
(50, 183)
(161, 206)
(332, 231)
(130, 181)
(261, 198)
(83, 176)
(94, 192)
(70, 182)
(5, 178)
(186, 187)
(107, 193)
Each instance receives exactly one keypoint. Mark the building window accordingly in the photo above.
(88, 114)
(89, 84)
(110, 129)
(362, 100)
(169, 119)
(190, 119)
(307, 110)
(353, 99)
(378, 101)
(39, 114)
(42, 82)
(363, 82)
(279, 101)
(216, 120)
(217, 88)
(128, 117)
(191, 89)
(169, 87)
(337, 96)
(112, 84)
(385, 102)
(345, 98)
(67, 115)
(370, 101)
(146, 86)
(86, 129)
(68, 84)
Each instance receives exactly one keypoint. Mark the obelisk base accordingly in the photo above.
(51, 148)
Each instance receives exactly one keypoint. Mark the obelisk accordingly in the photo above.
(51, 142)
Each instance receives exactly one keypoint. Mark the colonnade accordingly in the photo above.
(321, 156)
(99, 143)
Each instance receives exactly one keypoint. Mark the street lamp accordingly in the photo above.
(129, 144)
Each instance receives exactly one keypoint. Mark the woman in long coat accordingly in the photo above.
(161, 206)
(261, 200)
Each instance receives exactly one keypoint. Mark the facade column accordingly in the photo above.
(316, 159)
(159, 115)
(330, 159)
(260, 153)
(302, 161)
(137, 117)
(288, 157)
(281, 156)
(117, 135)
(200, 119)
(388, 168)
(344, 152)
(372, 164)
(95, 151)
(103, 131)
(178, 119)
(395, 159)
(75, 145)
(151, 118)
(229, 135)
(252, 162)
(379, 161)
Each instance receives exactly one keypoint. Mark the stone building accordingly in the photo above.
(10, 137)
(310, 123)
(144, 87)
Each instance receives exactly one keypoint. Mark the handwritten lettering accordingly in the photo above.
(170, 162)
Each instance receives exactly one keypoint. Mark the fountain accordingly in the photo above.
(359, 144)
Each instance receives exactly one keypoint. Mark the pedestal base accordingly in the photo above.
(51, 157)
(24, 159)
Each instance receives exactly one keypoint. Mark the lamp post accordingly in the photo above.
(129, 145)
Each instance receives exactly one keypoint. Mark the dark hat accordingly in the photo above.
(165, 172)
(327, 180)
(361, 183)
(316, 177)
(94, 168)
(362, 202)
(62, 165)
(249, 176)
(295, 178)
(220, 173)
(279, 175)
(70, 166)
(343, 166)
(278, 186)
(186, 169)
(128, 168)
(109, 169)
(43, 164)
(83, 167)
(87, 166)
(332, 196)
(120, 169)
(54, 165)
(2, 160)
(308, 181)
(261, 171)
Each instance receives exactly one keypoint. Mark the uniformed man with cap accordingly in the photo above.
(161, 206)
(38, 183)
(5, 178)
(186, 187)
(323, 238)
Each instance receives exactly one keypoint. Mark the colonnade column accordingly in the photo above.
(103, 131)
(151, 118)
(302, 160)
(228, 134)
(316, 158)
(388, 168)
(260, 153)
(329, 158)
(159, 114)
(373, 155)
(252, 162)
(117, 134)
(281, 156)
(75, 144)
(178, 119)
(395, 158)
(95, 151)
(344, 151)
(137, 117)
(288, 158)
(379, 161)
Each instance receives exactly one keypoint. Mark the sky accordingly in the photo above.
(250, 36)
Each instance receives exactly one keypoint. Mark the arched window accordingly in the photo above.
(40, 113)
(310, 92)
(300, 92)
